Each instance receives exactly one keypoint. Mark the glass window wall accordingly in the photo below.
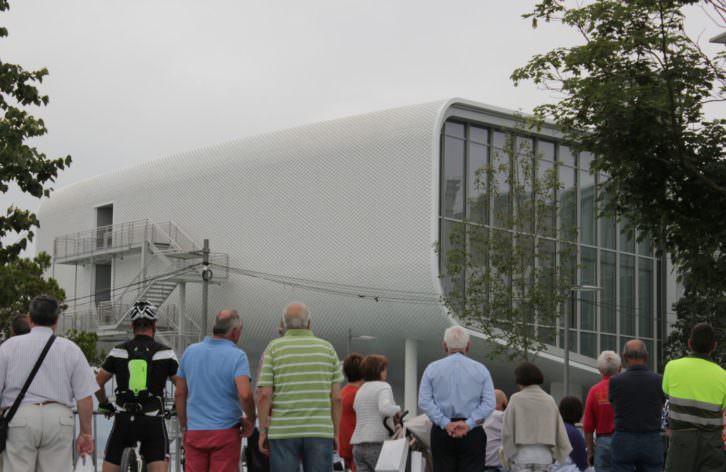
(475, 193)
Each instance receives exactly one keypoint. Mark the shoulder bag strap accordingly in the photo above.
(16, 404)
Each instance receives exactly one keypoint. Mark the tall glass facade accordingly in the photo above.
(626, 304)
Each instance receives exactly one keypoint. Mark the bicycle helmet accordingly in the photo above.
(142, 310)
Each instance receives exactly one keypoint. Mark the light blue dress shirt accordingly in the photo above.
(456, 387)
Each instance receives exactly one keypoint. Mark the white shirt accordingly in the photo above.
(63, 377)
(533, 454)
(493, 429)
(373, 402)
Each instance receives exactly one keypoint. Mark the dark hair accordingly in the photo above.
(527, 374)
(351, 367)
(20, 325)
(702, 338)
(372, 367)
(571, 409)
(44, 310)
(142, 323)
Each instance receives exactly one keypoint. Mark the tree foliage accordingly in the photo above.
(696, 307)
(633, 94)
(508, 281)
(88, 342)
(21, 280)
(20, 163)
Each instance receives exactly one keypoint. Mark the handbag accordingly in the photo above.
(394, 454)
(7, 417)
(418, 463)
(84, 464)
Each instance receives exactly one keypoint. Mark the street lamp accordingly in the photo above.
(362, 337)
(574, 291)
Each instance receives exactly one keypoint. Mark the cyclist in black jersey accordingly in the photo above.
(141, 366)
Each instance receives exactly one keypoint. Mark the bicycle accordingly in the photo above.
(131, 458)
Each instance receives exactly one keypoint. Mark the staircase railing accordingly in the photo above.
(117, 236)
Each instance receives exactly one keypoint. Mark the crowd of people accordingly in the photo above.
(298, 413)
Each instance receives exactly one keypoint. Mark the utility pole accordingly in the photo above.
(206, 277)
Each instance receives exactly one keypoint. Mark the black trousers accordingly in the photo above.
(466, 454)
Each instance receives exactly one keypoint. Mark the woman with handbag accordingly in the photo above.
(373, 403)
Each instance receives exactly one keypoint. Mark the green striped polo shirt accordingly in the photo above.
(697, 390)
(301, 370)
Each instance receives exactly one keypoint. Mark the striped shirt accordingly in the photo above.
(301, 370)
(63, 377)
(697, 390)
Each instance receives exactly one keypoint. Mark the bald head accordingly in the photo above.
(296, 316)
(501, 398)
(635, 352)
(227, 324)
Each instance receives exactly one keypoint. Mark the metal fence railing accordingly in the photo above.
(168, 236)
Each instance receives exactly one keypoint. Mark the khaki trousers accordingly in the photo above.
(40, 439)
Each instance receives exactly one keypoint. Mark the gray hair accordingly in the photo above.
(456, 337)
(298, 320)
(608, 362)
(225, 322)
(635, 349)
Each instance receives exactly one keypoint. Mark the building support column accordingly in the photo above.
(181, 339)
(410, 385)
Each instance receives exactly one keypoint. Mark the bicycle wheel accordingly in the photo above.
(129, 463)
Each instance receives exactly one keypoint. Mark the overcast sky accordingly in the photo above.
(136, 80)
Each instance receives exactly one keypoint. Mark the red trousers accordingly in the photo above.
(215, 450)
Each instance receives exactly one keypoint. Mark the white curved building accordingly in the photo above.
(342, 215)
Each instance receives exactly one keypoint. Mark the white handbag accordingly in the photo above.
(394, 454)
(418, 463)
(84, 464)
(421, 427)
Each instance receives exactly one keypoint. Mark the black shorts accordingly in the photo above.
(150, 430)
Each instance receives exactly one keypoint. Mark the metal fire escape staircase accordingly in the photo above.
(169, 259)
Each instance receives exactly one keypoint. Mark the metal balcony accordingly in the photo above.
(103, 242)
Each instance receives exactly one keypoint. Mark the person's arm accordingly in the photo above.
(180, 399)
(386, 405)
(487, 403)
(590, 447)
(83, 385)
(427, 403)
(336, 400)
(247, 402)
(264, 398)
(664, 384)
(336, 409)
(589, 424)
(101, 379)
(84, 443)
(264, 403)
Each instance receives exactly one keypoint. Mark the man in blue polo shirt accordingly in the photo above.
(213, 389)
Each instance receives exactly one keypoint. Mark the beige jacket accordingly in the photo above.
(532, 417)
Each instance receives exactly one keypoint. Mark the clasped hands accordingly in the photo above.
(457, 429)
